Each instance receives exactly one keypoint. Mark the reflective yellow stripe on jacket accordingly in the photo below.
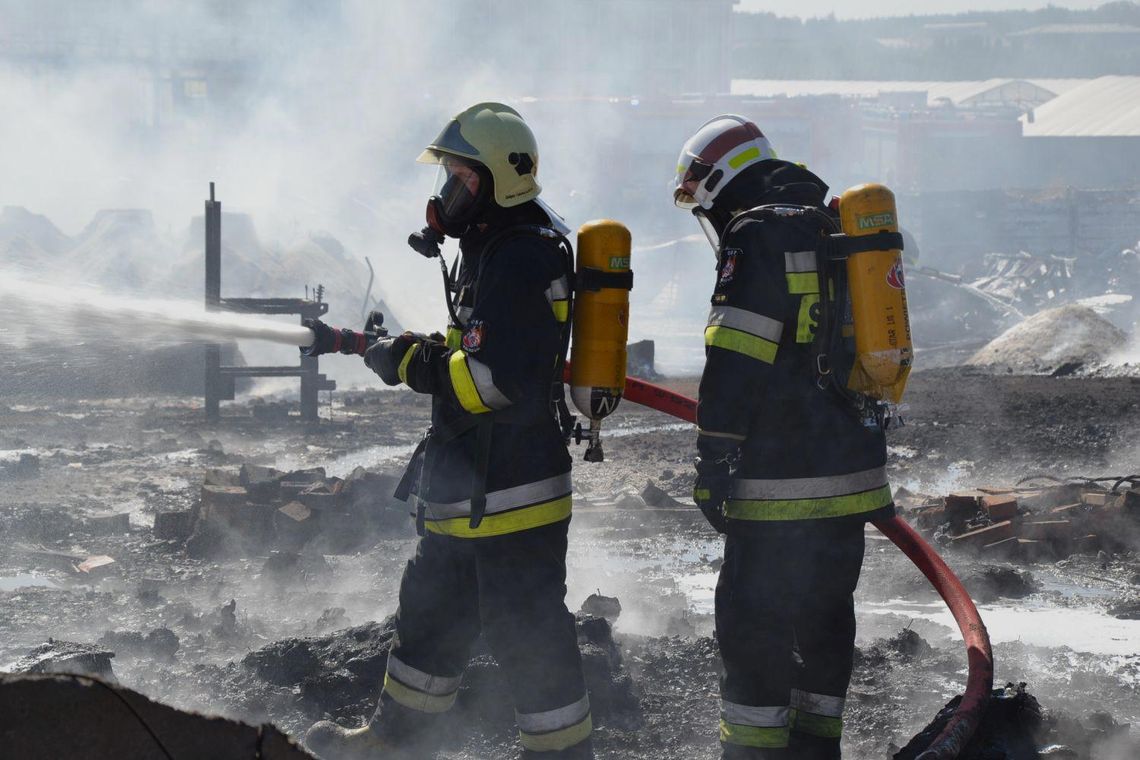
(744, 332)
(808, 498)
(473, 386)
(801, 271)
(509, 510)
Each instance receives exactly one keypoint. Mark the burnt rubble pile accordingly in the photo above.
(1016, 727)
(258, 509)
(55, 656)
(1030, 524)
(339, 676)
(107, 720)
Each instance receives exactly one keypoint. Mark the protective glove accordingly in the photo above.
(330, 340)
(710, 492)
(713, 486)
(385, 356)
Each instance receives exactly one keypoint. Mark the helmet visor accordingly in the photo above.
(457, 184)
(691, 171)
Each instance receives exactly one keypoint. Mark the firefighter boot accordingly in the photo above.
(329, 741)
(738, 752)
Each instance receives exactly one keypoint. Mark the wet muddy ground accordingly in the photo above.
(178, 638)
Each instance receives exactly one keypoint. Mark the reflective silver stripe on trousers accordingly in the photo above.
(799, 261)
(761, 717)
(553, 720)
(818, 704)
(481, 374)
(508, 498)
(810, 488)
(746, 321)
(437, 686)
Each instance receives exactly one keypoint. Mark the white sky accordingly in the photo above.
(871, 8)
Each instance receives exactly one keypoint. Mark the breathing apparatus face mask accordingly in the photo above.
(461, 192)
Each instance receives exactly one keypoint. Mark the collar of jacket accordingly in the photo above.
(785, 182)
(495, 221)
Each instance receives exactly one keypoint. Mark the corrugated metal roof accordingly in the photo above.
(1103, 107)
(771, 88)
(1060, 86)
(1051, 29)
(956, 92)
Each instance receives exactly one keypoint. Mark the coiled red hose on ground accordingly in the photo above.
(962, 724)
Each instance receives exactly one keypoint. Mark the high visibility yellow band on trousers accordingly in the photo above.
(556, 729)
(417, 690)
(817, 714)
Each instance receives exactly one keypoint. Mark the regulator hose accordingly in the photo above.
(979, 655)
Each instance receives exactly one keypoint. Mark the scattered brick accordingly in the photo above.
(1088, 544)
(96, 566)
(1001, 507)
(1095, 498)
(109, 525)
(1005, 548)
(174, 526)
(962, 506)
(1033, 551)
(987, 535)
(214, 497)
(1047, 530)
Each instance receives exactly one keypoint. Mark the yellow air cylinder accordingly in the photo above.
(601, 323)
(883, 351)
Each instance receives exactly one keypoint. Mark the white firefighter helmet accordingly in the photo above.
(495, 136)
(720, 150)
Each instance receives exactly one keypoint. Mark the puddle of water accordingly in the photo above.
(1082, 629)
(13, 455)
(701, 590)
(1071, 589)
(24, 580)
(341, 466)
(622, 432)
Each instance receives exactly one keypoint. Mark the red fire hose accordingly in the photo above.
(962, 724)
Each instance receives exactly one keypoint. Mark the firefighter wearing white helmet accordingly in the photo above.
(491, 481)
(785, 467)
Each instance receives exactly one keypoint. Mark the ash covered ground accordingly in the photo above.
(262, 633)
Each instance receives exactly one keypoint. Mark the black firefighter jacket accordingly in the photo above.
(803, 453)
(492, 385)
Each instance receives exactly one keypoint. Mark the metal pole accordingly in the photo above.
(213, 378)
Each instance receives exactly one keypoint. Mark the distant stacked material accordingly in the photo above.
(1048, 340)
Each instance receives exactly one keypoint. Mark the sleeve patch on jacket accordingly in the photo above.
(473, 336)
(728, 265)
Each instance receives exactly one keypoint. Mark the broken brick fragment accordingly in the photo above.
(988, 535)
(1000, 507)
(1046, 530)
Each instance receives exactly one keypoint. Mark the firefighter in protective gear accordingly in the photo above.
(785, 468)
(491, 481)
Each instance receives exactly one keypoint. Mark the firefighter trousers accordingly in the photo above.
(511, 589)
(785, 621)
